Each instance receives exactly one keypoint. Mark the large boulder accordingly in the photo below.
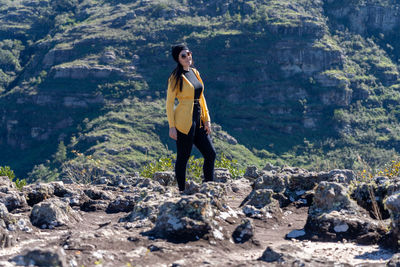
(189, 218)
(335, 216)
(51, 213)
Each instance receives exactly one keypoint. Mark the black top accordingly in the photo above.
(198, 87)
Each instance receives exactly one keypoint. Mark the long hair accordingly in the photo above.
(177, 74)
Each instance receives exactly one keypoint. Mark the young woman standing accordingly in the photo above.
(190, 122)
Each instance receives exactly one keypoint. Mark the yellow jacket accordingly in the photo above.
(181, 116)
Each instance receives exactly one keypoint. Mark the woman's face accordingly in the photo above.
(185, 58)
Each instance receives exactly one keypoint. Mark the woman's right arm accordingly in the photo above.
(170, 108)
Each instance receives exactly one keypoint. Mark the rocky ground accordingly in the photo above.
(270, 217)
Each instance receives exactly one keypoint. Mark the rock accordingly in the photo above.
(5, 182)
(85, 71)
(334, 216)
(38, 192)
(296, 233)
(222, 175)
(243, 232)
(270, 167)
(268, 180)
(332, 196)
(95, 194)
(214, 190)
(342, 176)
(394, 261)
(187, 219)
(122, 204)
(42, 257)
(94, 205)
(51, 213)
(393, 205)
(6, 238)
(365, 193)
(251, 173)
(269, 255)
(13, 200)
(260, 203)
(143, 210)
(191, 187)
(165, 178)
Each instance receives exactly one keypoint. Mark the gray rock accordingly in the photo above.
(260, 203)
(122, 204)
(222, 175)
(393, 205)
(251, 173)
(269, 255)
(6, 238)
(94, 205)
(342, 176)
(332, 196)
(192, 188)
(243, 232)
(51, 213)
(165, 178)
(270, 167)
(143, 210)
(13, 200)
(296, 233)
(36, 193)
(6, 182)
(394, 261)
(268, 180)
(334, 216)
(187, 219)
(96, 194)
(42, 257)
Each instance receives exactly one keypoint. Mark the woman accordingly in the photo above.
(190, 122)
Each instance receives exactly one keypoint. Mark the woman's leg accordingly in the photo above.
(184, 145)
(204, 144)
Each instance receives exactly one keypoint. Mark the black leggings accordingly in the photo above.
(199, 137)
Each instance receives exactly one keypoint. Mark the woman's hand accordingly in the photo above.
(172, 133)
(208, 127)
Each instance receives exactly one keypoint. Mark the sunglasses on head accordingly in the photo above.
(184, 55)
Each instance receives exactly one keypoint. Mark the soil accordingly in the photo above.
(100, 240)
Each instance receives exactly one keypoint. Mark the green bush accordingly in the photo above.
(194, 169)
(6, 171)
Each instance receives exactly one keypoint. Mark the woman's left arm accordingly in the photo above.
(206, 115)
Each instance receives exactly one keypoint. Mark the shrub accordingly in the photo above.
(194, 169)
(6, 171)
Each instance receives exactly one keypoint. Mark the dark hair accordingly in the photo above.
(177, 74)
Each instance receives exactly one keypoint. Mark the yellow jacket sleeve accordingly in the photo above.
(204, 104)
(170, 102)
